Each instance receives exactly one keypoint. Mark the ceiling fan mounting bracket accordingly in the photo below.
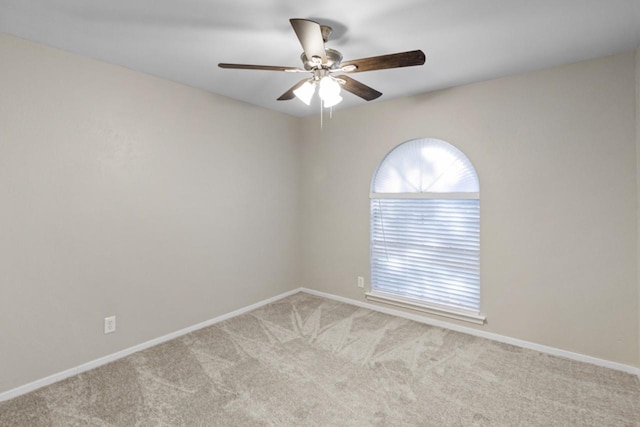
(326, 32)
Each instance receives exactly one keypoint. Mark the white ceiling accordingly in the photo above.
(464, 40)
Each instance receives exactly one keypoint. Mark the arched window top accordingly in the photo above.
(425, 165)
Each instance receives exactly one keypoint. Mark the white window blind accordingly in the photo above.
(427, 249)
(425, 230)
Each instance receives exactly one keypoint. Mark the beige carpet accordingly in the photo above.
(306, 360)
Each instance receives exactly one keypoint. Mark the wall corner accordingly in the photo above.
(637, 108)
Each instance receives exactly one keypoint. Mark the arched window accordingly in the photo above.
(425, 230)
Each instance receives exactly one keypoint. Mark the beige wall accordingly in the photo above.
(129, 195)
(555, 153)
(164, 205)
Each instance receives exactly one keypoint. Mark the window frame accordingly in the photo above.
(431, 307)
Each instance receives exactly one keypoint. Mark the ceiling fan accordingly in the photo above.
(323, 62)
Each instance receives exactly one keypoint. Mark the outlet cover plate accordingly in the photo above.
(109, 324)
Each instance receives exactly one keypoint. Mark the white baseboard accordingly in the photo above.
(483, 334)
(10, 394)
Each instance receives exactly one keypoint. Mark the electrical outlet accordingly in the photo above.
(109, 324)
(360, 282)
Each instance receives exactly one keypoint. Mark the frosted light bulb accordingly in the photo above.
(329, 92)
(331, 101)
(305, 92)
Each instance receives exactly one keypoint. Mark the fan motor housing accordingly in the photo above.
(333, 60)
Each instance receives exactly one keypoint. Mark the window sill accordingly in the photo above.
(466, 316)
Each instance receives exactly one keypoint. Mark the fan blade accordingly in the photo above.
(394, 60)
(310, 37)
(360, 89)
(261, 67)
(289, 94)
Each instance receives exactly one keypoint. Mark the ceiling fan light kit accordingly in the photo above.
(321, 62)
